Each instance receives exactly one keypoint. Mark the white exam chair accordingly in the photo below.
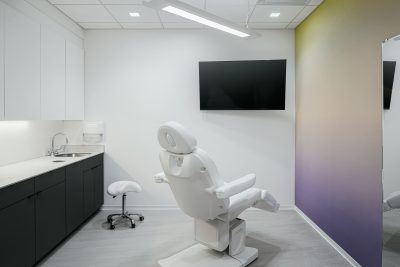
(202, 194)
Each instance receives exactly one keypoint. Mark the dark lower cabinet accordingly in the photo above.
(93, 185)
(17, 234)
(37, 214)
(50, 219)
(88, 189)
(74, 196)
(98, 176)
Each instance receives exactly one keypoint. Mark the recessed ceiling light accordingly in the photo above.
(134, 14)
(275, 15)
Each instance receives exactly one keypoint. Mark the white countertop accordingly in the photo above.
(17, 172)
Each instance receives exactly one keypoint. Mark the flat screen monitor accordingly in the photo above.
(389, 68)
(242, 85)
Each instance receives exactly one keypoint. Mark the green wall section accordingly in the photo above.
(339, 120)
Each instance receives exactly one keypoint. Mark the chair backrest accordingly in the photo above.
(191, 173)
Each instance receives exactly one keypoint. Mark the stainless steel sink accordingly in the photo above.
(71, 155)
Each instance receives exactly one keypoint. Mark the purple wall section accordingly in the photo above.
(347, 211)
(339, 121)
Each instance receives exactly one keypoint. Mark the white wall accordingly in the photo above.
(391, 125)
(23, 140)
(136, 80)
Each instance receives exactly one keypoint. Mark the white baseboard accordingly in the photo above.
(330, 241)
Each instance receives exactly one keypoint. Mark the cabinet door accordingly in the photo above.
(98, 186)
(50, 218)
(53, 75)
(17, 234)
(1, 62)
(88, 189)
(74, 82)
(74, 196)
(22, 66)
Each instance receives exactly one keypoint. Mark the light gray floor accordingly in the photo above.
(391, 239)
(283, 239)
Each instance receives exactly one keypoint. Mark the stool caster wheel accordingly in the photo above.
(133, 225)
(112, 227)
(141, 218)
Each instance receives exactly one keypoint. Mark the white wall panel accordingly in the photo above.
(136, 80)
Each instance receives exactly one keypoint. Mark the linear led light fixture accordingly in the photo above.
(200, 16)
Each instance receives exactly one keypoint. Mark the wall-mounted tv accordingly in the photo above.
(242, 85)
(389, 68)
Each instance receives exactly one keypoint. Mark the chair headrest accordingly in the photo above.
(175, 138)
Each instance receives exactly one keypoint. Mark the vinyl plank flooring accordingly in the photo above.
(391, 239)
(283, 239)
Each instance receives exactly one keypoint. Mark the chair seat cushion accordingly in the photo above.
(122, 187)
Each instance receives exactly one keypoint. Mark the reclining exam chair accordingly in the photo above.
(215, 205)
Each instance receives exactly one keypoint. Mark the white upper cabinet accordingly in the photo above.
(74, 82)
(1, 61)
(52, 75)
(22, 66)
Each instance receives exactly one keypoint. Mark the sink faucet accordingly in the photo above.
(54, 151)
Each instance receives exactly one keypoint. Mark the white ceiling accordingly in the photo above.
(114, 14)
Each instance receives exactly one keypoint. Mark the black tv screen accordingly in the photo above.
(389, 68)
(243, 85)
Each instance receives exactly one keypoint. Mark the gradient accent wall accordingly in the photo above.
(339, 121)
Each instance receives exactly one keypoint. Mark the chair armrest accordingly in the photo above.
(160, 178)
(239, 185)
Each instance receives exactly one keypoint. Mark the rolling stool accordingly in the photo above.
(121, 188)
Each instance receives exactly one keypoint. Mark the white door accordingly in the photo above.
(53, 75)
(1, 62)
(74, 82)
(22, 66)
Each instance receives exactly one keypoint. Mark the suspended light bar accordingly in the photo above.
(200, 16)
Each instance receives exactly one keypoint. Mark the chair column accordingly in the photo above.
(123, 203)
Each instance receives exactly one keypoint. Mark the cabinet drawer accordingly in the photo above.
(93, 162)
(49, 179)
(14, 193)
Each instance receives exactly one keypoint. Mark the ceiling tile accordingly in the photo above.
(86, 13)
(121, 13)
(177, 25)
(268, 25)
(196, 3)
(304, 13)
(75, 2)
(293, 25)
(100, 25)
(315, 2)
(235, 13)
(284, 2)
(230, 2)
(142, 25)
(122, 2)
(288, 13)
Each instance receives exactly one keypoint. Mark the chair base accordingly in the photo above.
(201, 256)
(114, 219)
